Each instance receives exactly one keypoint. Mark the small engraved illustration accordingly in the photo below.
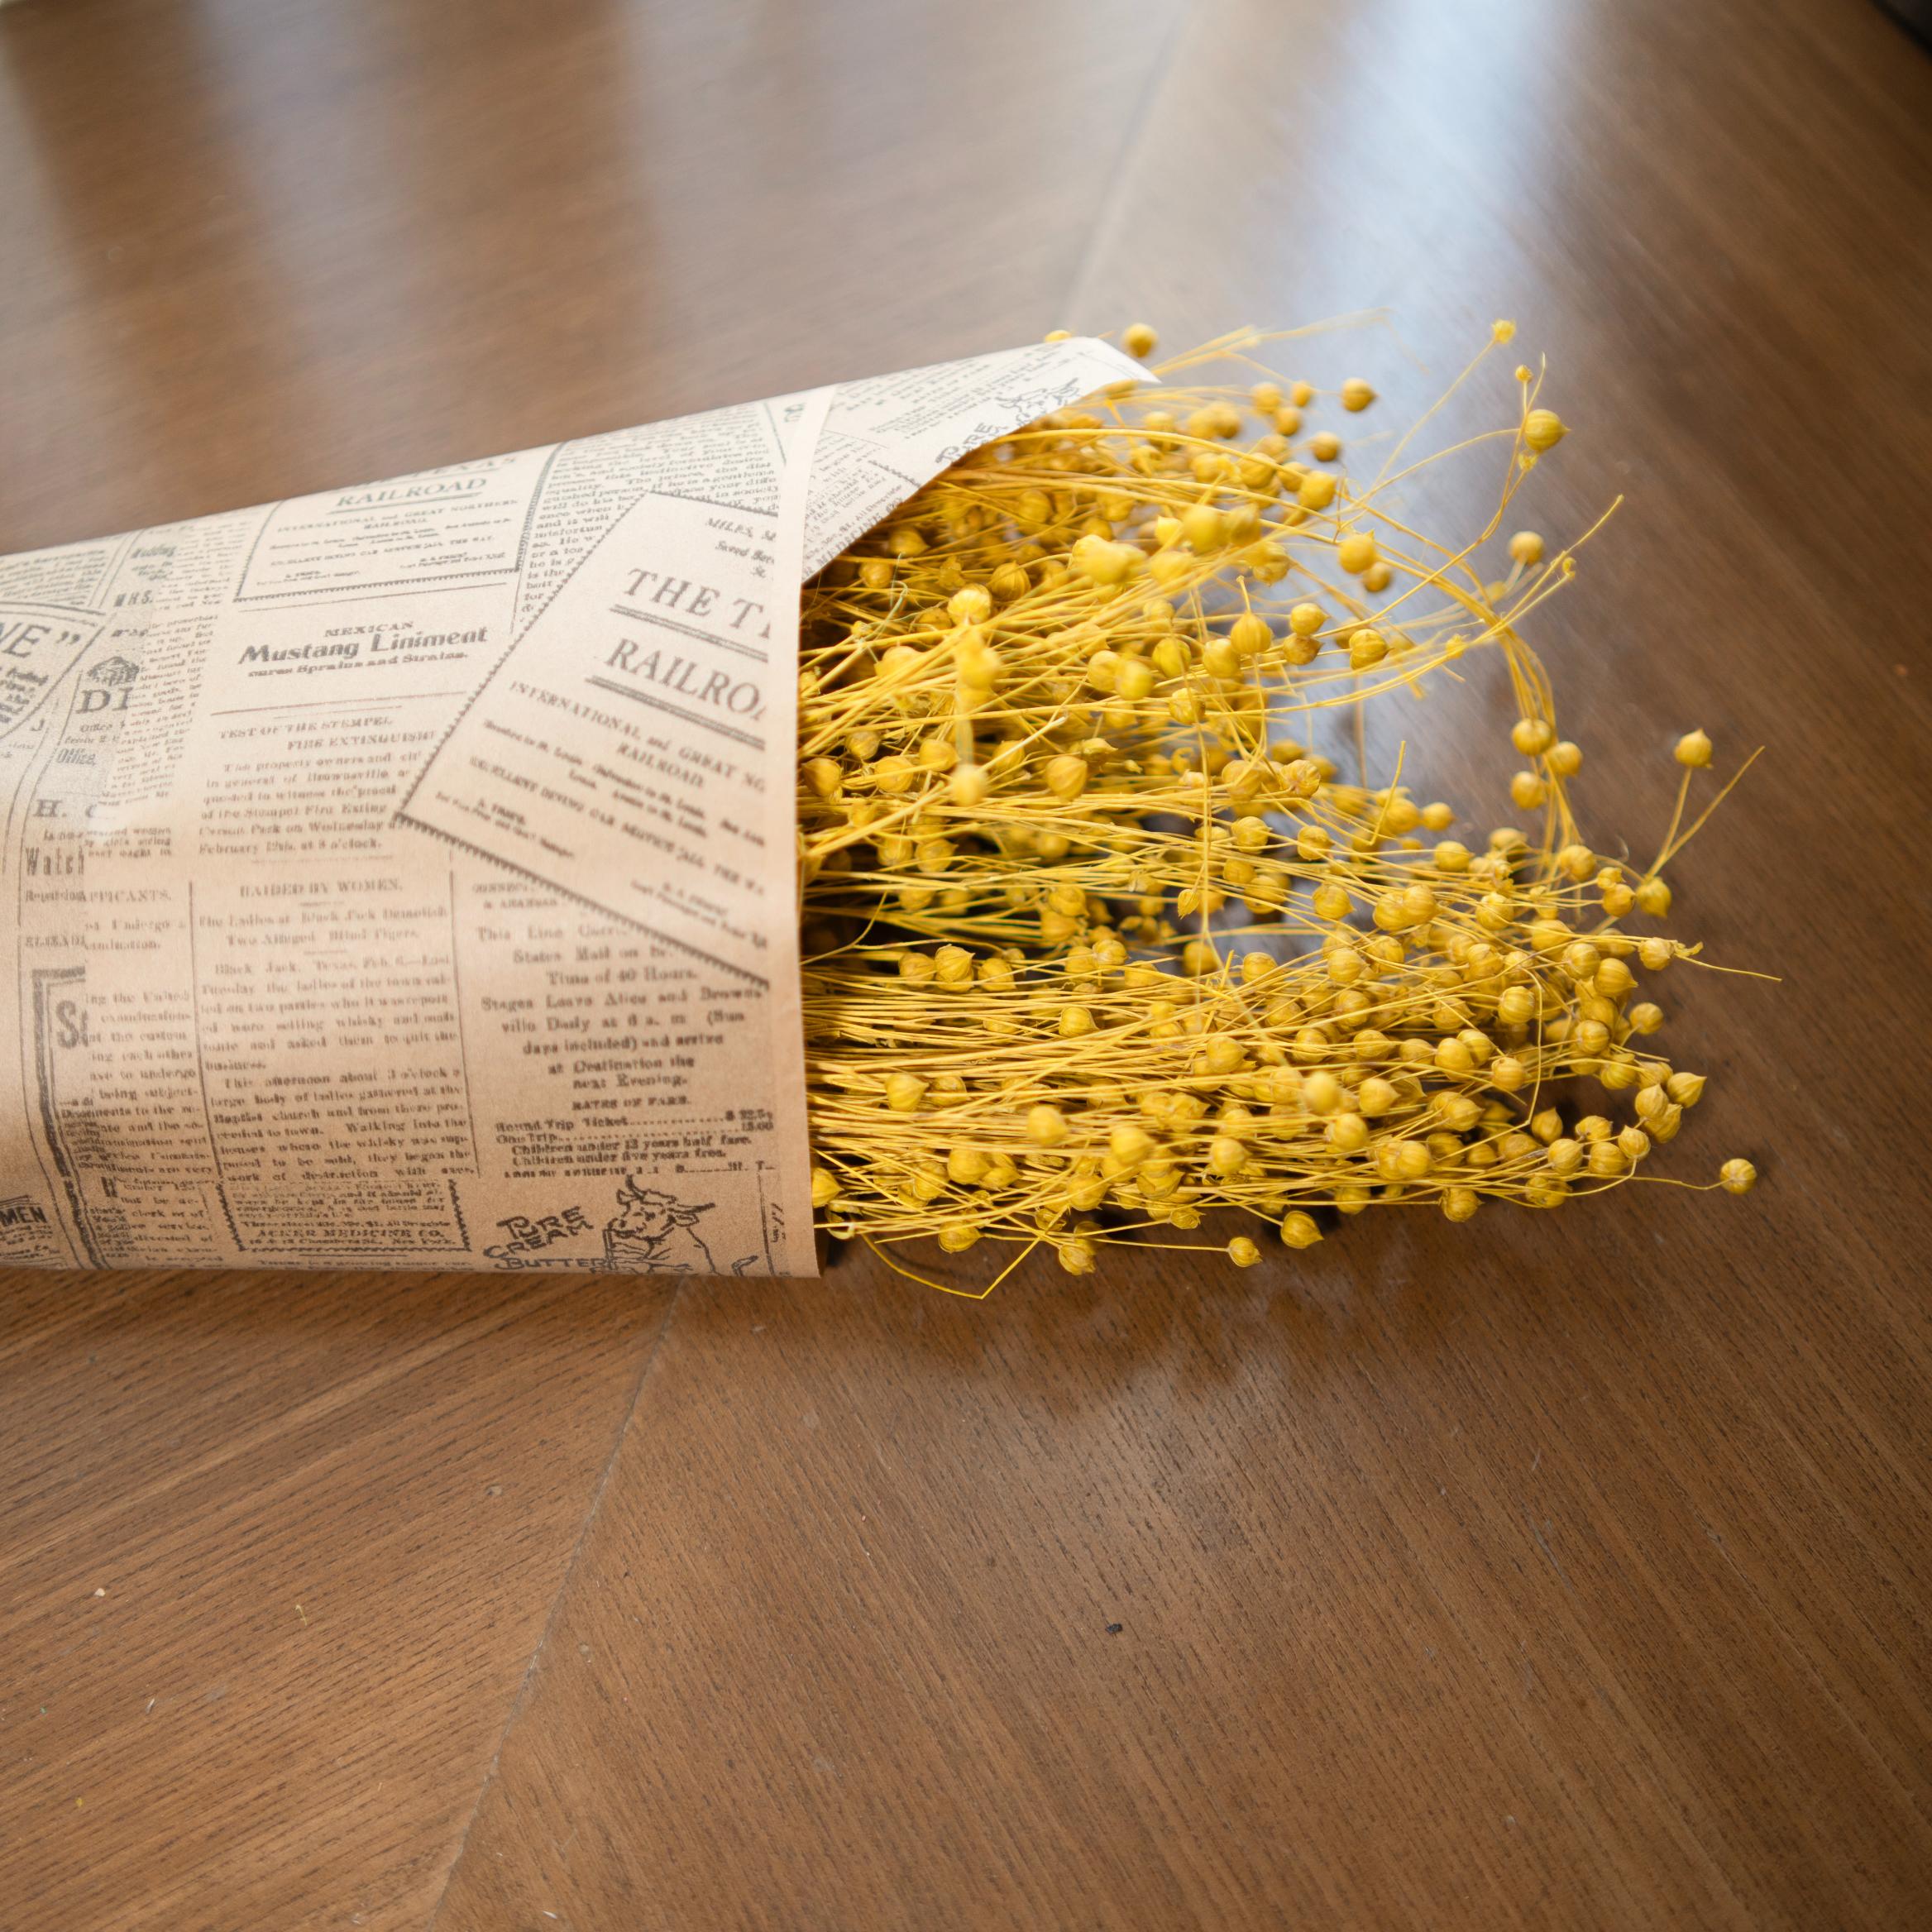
(651, 1234)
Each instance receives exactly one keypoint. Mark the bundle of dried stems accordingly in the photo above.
(1094, 947)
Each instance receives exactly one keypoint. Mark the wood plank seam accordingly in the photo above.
(522, 1696)
(1114, 186)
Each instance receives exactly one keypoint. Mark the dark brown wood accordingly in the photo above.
(277, 1551)
(1562, 1570)
(249, 248)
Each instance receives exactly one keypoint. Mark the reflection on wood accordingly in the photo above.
(1565, 1569)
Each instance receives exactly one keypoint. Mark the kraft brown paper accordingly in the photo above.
(403, 876)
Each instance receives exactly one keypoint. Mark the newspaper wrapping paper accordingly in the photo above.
(405, 875)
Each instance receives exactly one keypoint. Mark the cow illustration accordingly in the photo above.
(651, 1234)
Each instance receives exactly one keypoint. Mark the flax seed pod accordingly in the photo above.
(1093, 956)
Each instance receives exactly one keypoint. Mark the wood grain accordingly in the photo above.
(250, 248)
(278, 1550)
(1561, 1570)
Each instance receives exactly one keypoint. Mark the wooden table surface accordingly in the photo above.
(1566, 1571)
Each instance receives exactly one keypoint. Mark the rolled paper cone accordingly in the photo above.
(403, 876)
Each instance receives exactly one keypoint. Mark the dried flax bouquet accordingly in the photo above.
(1094, 947)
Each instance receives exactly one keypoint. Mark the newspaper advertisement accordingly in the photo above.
(403, 876)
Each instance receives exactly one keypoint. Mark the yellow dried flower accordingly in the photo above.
(1299, 1229)
(1068, 889)
(1543, 429)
